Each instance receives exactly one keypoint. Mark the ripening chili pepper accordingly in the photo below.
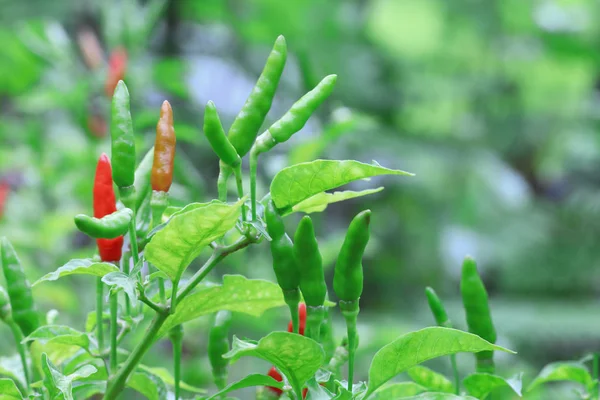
(312, 277)
(437, 308)
(477, 309)
(245, 127)
(285, 266)
(108, 227)
(164, 150)
(348, 279)
(218, 344)
(19, 290)
(122, 139)
(301, 318)
(4, 191)
(104, 204)
(5, 310)
(213, 129)
(117, 66)
(296, 117)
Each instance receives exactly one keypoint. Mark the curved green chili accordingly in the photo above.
(5, 310)
(122, 139)
(245, 127)
(218, 344)
(216, 137)
(479, 318)
(108, 227)
(19, 290)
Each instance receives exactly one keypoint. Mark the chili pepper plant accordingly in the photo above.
(145, 246)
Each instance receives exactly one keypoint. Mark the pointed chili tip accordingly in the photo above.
(330, 79)
(104, 157)
(429, 290)
(366, 214)
(469, 265)
(211, 104)
(166, 112)
(280, 40)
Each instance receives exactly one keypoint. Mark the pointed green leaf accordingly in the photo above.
(58, 384)
(296, 356)
(122, 281)
(319, 202)
(302, 181)
(9, 390)
(79, 267)
(563, 371)
(481, 385)
(414, 348)
(237, 294)
(174, 247)
(148, 384)
(59, 334)
(11, 367)
(430, 379)
(86, 390)
(398, 390)
(169, 380)
(249, 381)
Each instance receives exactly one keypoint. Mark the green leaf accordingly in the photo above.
(319, 202)
(563, 371)
(296, 356)
(79, 267)
(481, 385)
(168, 379)
(398, 390)
(431, 379)
(237, 294)
(9, 390)
(174, 247)
(86, 390)
(59, 334)
(123, 281)
(302, 181)
(58, 384)
(90, 321)
(414, 348)
(12, 368)
(148, 384)
(438, 396)
(249, 381)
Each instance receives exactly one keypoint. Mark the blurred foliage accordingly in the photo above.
(494, 105)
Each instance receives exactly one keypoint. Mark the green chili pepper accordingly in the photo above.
(216, 137)
(348, 279)
(479, 319)
(245, 127)
(296, 117)
(312, 277)
(284, 262)
(5, 310)
(122, 139)
(437, 308)
(218, 344)
(108, 227)
(19, 290)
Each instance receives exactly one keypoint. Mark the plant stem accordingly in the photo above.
(455, 371)
(99, 314)
(18, 335)
(224, 174)
(144, 299)
(176, 335)
(595, 370)
(253, 170)
(116, 383)
(114, 331)
(240, 188)
(292, 299)
(125, 268)
(350, 311)
(159, 202)
(314, 319)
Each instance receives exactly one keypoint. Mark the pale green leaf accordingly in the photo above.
(148, 384)
(12, 368)
(86, 390)
(237, 294)
(481, 385)
(90, 321)
(430, 379)
(296, 356)
(58, 384)
(59, 334)
(414, 348)
(9, 390)
(398, 390)
(123, 281)
(169, 380)
(563, 371)
(248, 381)
(319, 202)
(79, 267)
(302, 181)
(438, 396)
(174, 247)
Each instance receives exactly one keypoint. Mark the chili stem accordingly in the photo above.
(455, 371)
(159, 202)
(125, 267)
(18, 335)
(350, 311)
(253, 170)
(224, 174)
(114, 331)
(99, 314)
(292, 298)
(240, 188)
(176, 335)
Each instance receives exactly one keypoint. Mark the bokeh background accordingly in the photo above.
(495, 106)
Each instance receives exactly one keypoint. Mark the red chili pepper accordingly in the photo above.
(105, 204)
(302, 318)
(273, 373)
(4, 190)
(117, 65)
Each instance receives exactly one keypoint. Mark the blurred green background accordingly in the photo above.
(493, 104)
